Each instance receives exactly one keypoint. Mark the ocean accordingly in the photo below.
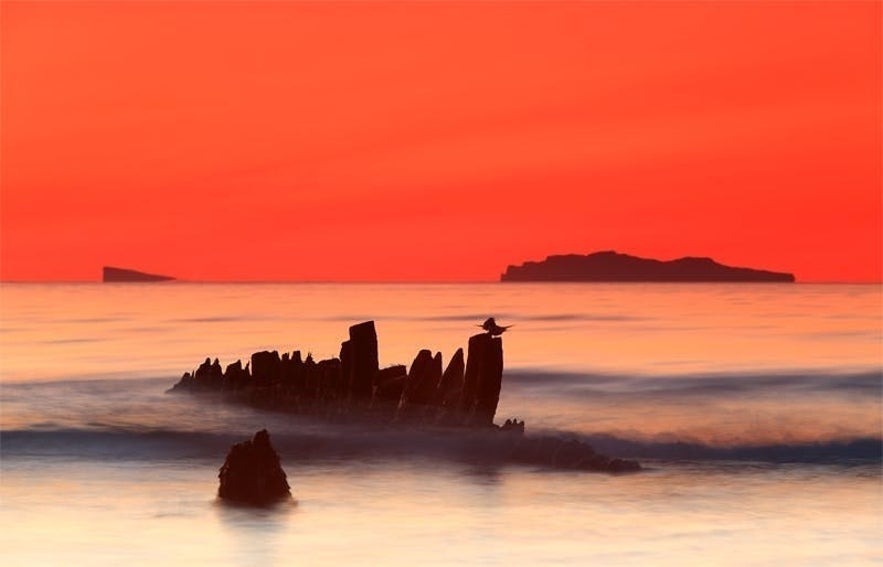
(754, 409)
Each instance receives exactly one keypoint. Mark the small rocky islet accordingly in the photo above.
(611, 266)
(111, 274)
(459, 400)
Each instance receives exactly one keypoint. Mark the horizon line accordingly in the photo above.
(430, 282)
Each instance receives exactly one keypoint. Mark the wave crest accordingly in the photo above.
(341, 442)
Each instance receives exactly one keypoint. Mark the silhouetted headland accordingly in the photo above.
(611, 266)
(252, 473)
(460, 399)
(115, 275)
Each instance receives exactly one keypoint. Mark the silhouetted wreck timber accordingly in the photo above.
(353, 385)
(352, 388)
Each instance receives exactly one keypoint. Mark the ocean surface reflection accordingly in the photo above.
(756, 411)
(432, 513)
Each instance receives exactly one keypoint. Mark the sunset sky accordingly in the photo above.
(437, 141)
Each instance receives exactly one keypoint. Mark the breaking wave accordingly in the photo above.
(627, 416)
(347, 442)
(862, 383)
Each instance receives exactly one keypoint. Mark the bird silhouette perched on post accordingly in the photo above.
(492, 328)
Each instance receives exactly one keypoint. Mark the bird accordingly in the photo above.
(492, 328)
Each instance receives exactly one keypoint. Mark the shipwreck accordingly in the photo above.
(460, 399)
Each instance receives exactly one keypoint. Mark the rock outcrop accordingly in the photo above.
(252, 473)
(117, 275)
(611, 266)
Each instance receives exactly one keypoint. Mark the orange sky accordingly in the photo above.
(437, 140)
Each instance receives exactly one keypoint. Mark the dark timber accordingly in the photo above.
(461, 398)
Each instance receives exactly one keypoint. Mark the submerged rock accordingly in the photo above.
(252, 474)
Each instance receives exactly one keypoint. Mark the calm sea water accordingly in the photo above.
(755, 408)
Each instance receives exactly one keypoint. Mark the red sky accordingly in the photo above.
(437, 140)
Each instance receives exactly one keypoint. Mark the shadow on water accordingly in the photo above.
(486, 475)
(255, 531)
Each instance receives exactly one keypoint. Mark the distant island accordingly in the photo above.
(611, 266)
(116, 275)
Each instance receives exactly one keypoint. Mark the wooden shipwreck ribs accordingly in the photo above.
(353, 387)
